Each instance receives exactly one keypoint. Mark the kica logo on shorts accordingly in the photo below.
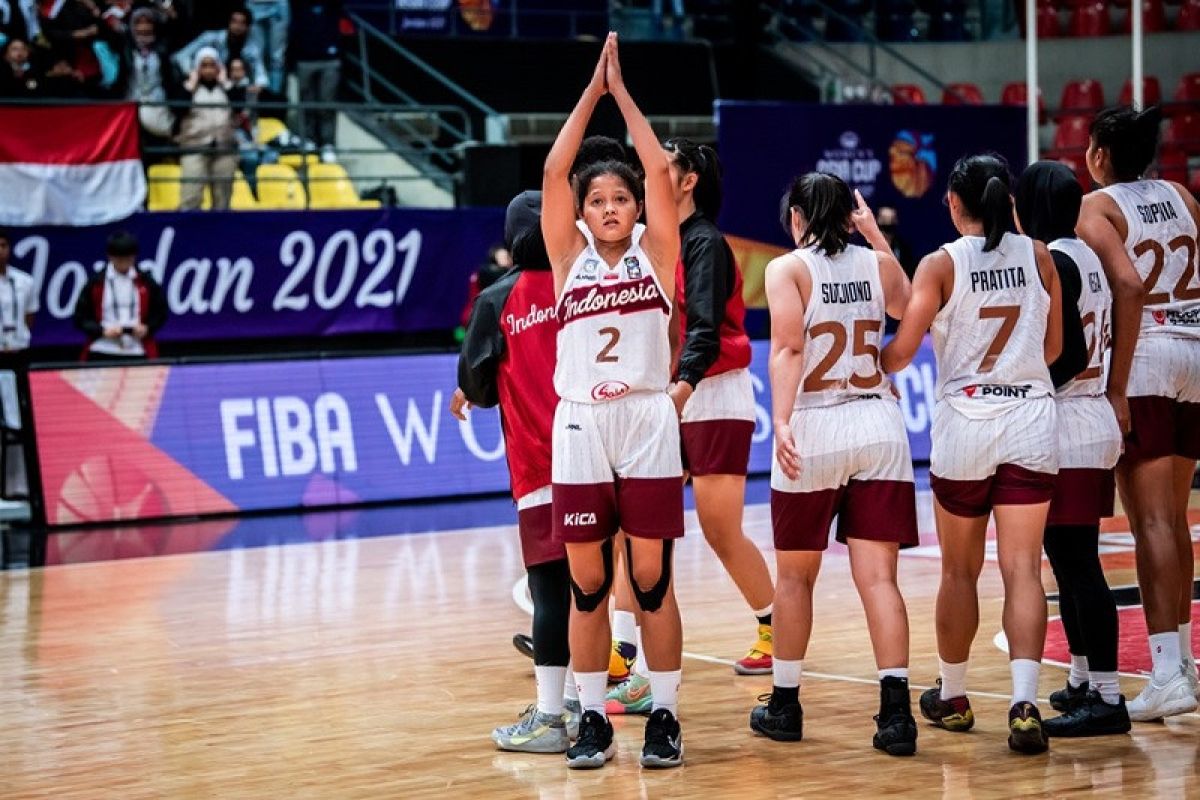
(609, 390)
(577, 518)
(996, 390)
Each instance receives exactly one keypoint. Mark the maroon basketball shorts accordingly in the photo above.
(616, 465)
(718, 425)
(1006, 454)
(536, 528)
(855, 465)
(1089, 444)
(1164, 399)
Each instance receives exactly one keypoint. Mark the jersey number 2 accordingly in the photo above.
(605, 355)
(1183, 289)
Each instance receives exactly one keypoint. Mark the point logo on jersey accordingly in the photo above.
(590, 270)
(913, 163)
(577, 518)
(609, 390)
(633, 267)
(996, 390)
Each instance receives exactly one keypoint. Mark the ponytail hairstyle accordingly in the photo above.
(825, 203)
(1129, 136)
(703, 161)
(983, 184)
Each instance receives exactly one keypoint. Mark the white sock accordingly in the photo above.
(550, 684)
(1079, 671)
(954, 679)
(570, 690)
(786, 673)
(1024, 680)
(894, 672)
(762, 612)
(664, 687)
(1107, 684)
(592, 686)
(640, 666)
(624, 623)
(1185, 642)
(1164, 653)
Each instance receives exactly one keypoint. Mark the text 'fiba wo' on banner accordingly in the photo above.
(898, 156)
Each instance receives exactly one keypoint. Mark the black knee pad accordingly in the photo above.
(652, 599)
(590, 602)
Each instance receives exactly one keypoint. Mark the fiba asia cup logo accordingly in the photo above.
(913, 163)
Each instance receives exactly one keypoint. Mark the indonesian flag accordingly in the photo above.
(69, 165)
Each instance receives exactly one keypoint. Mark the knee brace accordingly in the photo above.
(590, 602)
(652, 599)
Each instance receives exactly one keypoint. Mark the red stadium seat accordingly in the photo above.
(1078, 165)
(1151, 92)
(1188, 88)
(1089, 20)
(1016, 94)
(1154, 17)
(1046, 15)
(908, 94)
(1081, 97)
(1072, 133)
(957, 94)
(1173, 164)
(1184, 132)
(1189, 16)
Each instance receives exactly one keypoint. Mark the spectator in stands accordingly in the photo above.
(80, 39)
(120, 308)
(316, 50)
(206, 135)
(499, 261)
(234, 41)
(18, 78)
(147, 75)
(889, 224)
(272, 20)
(245, 119)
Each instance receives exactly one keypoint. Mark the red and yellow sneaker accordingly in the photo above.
(758, 660)
(621, 660)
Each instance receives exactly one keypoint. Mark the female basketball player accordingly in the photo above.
(841, 448)
(1047, 198)
(1144, 232)
(994, 302)
(616, 459)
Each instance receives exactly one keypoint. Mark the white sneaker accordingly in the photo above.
(1189, 669)
(1160, 700)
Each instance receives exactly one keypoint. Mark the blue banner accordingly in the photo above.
(275, 274)
(124, 443)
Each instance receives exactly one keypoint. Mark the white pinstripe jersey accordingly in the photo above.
(1095, 310)
(612, 338)
(989, 338)
(843, 325)
(1161, 242)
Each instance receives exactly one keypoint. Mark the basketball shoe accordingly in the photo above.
(1093, 717)
(1158, 700)
(1189, 668)
(523, 642)
(621, 660)
(1025, 732)
(631, 696)
(783, 722)
(896, 732)
(758, 660)
(572, 712)
(595, 744)
(664, 741)
(1069, 697)
(534, 733)
(954, 714)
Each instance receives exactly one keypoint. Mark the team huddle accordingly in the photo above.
(1068, 354)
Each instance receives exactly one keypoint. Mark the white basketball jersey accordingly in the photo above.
(989, 338)
(843, 328)
(1095, 312)
(612, 338)
(1162, 245)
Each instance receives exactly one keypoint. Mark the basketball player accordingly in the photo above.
(994, 302)
(616, 459)
(841, 448)
(1047, 199)
(1144, 232)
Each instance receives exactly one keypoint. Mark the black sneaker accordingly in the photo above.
(595, 743)
(1069, 697)
(664, 741)
(954, 714)
(1025, 732)
(524, 644)
(781, 722)
(897, 730)
(1094, 717)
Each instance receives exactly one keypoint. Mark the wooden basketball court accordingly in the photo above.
(378, 667)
